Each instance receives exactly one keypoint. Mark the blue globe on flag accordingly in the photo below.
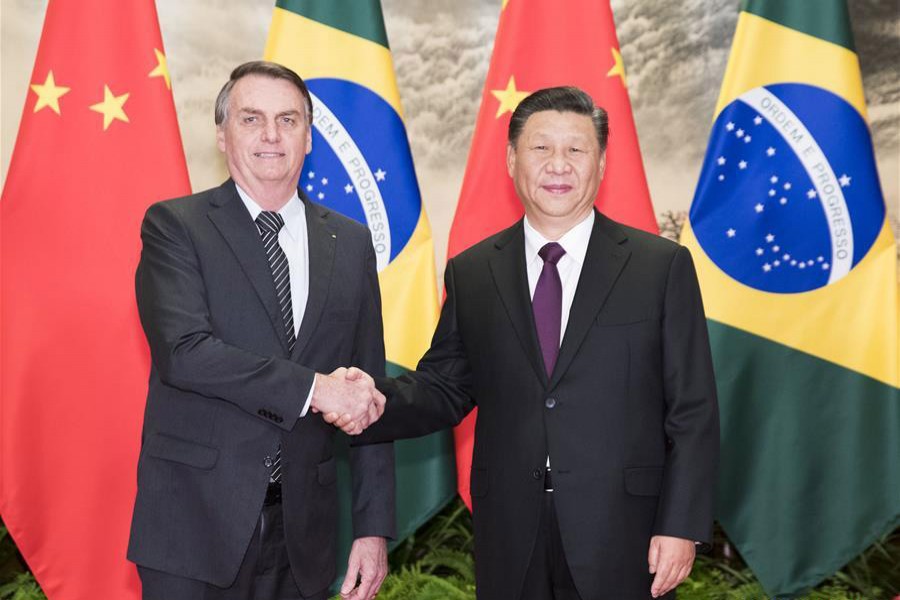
(787, 203)
(357, 169)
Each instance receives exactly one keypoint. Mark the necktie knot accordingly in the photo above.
(551, 253)
(269, 222)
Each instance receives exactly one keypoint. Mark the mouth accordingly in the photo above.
(267, 155)
(557, 188)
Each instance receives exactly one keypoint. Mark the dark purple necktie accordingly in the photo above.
(547, 304)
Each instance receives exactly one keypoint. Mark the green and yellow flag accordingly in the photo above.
(798, 268)
(361, 166)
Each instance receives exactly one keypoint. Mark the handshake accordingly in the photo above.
(348, 399)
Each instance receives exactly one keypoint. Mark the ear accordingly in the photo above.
(510, 159)
(309, 139)
(220, 137)
(602, 165)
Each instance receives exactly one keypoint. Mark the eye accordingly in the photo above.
(287, 120)
(573, 149)
(540, 147)
(251, 119)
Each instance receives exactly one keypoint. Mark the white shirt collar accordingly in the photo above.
(574, 242)
(293, 212)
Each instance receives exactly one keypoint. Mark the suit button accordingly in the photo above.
(268, 462)
(550, 402)
(537, 474)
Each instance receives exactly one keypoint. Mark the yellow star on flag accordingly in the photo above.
(509, 98)
(48, 94)
(111, 108)
(161, 69)
(618, 67)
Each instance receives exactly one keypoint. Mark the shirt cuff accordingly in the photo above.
(308, 399)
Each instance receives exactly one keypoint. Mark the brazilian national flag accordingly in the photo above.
(361, 166)
(798, 268)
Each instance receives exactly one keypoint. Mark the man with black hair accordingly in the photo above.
(583, 343)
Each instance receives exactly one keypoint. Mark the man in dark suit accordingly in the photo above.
(248, 294)
(583, 343)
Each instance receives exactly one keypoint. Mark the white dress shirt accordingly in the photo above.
(575, 243)
(294, 240)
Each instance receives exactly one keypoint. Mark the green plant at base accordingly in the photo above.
(23, 587)
(436, 564)
(16, 583)
(413, 584)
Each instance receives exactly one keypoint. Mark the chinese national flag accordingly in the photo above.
(98, 143)
(545, 43)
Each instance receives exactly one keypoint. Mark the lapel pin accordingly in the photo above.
(334, 236)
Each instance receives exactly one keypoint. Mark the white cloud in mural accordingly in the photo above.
(441, 59)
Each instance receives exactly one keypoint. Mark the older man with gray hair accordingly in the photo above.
(249, 295)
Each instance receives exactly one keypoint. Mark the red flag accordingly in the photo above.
(541, 43)
(98, 143)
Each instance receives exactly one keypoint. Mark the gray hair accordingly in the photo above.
(264, 69)
(561, 99)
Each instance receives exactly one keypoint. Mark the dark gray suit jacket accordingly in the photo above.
(629, 415)
(224, 392)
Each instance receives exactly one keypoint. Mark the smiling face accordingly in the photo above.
(556, 166)
(265, 136)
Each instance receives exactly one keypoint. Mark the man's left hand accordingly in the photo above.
(368, 560)
(671, 559)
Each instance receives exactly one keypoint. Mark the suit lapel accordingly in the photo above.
(603, 262)
(321, 247)
(510, 277)
(231, 218)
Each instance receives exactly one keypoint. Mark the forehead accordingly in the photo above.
(266, 93)
(559, 124)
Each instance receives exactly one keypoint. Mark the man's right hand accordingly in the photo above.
(352, 403)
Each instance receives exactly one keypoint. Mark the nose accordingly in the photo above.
(270, 132)
(558, 163)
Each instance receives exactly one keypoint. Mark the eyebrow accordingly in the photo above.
(256, 111)
(542, 137)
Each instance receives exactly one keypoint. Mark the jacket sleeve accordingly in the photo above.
(172, 303)
(691, 419)
(372, 467)
(435, 396)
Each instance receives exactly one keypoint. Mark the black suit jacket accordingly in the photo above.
(224, 392)
(629, 416)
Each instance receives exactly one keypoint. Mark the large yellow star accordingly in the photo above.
(161, 69)
(509, 98)
(48, 94)
(111, 108)
(618, 67)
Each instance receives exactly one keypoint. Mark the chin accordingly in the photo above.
(270, 176)
(560, 207)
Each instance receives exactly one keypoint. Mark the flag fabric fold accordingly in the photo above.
(361, 166)
(540, 45)
(797, 264)
(98, 143)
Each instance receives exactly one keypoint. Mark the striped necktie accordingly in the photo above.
(269, 224)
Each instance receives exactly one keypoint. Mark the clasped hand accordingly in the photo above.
(348, 399)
